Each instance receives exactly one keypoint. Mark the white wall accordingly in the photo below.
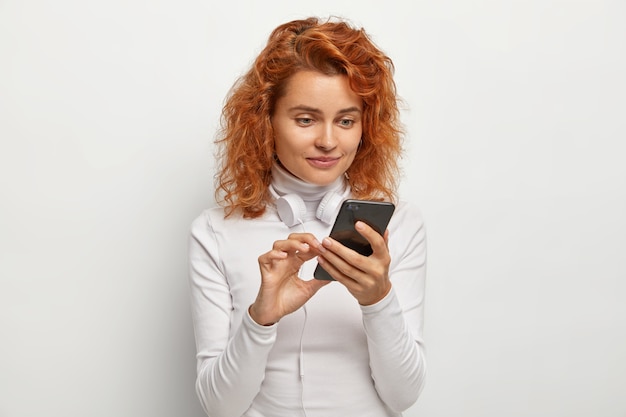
(516, 127)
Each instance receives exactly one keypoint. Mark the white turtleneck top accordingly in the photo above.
(332, 357)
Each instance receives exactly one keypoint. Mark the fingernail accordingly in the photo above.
(359, 225)
(327, 242)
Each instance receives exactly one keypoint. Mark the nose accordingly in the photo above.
(326, 139)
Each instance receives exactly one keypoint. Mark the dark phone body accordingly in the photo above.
(374, 213)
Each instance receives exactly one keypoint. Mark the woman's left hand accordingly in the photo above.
(365, 277)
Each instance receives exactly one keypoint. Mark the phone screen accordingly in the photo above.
(374, 213)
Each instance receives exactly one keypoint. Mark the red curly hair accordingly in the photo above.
(246, 139)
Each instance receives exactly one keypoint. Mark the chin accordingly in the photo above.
(322, 180)
(318, 177)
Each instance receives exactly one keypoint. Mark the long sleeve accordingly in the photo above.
(230, 369)
(394, 325)
(332, 358)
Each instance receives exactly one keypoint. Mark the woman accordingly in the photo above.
(315, 121)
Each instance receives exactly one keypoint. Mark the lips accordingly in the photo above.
(323, 161)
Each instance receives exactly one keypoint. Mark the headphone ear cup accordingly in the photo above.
(291, 209)
(327, 209)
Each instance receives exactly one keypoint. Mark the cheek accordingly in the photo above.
(285, 149)
(293, 141)
(280, 150)
(283, 141)
(355, 141)
(352, 150)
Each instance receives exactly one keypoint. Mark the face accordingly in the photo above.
(317, 125)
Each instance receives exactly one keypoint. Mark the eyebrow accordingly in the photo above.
(302, 107)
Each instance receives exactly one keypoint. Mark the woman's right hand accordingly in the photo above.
(282, 291)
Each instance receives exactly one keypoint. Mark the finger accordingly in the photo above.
(378, 242)
(352, 264)
(339, 269)
(301, 236)
(291, 246)
(307, 238)
(341, 256)
(269, 257)
(365, 288)
(304, 247)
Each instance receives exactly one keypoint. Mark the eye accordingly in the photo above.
(304, 121)
(346, 122)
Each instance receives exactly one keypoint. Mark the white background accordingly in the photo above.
(516, 122)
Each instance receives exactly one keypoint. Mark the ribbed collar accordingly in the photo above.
(285, 183)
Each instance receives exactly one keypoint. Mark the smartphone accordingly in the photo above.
(374, 213)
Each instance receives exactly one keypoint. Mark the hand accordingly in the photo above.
(365, 277)
(282, 292)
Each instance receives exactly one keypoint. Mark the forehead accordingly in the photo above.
(314, 89)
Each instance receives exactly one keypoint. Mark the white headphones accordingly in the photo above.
(291, 207)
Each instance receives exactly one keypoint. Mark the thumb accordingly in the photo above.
(314, 285)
